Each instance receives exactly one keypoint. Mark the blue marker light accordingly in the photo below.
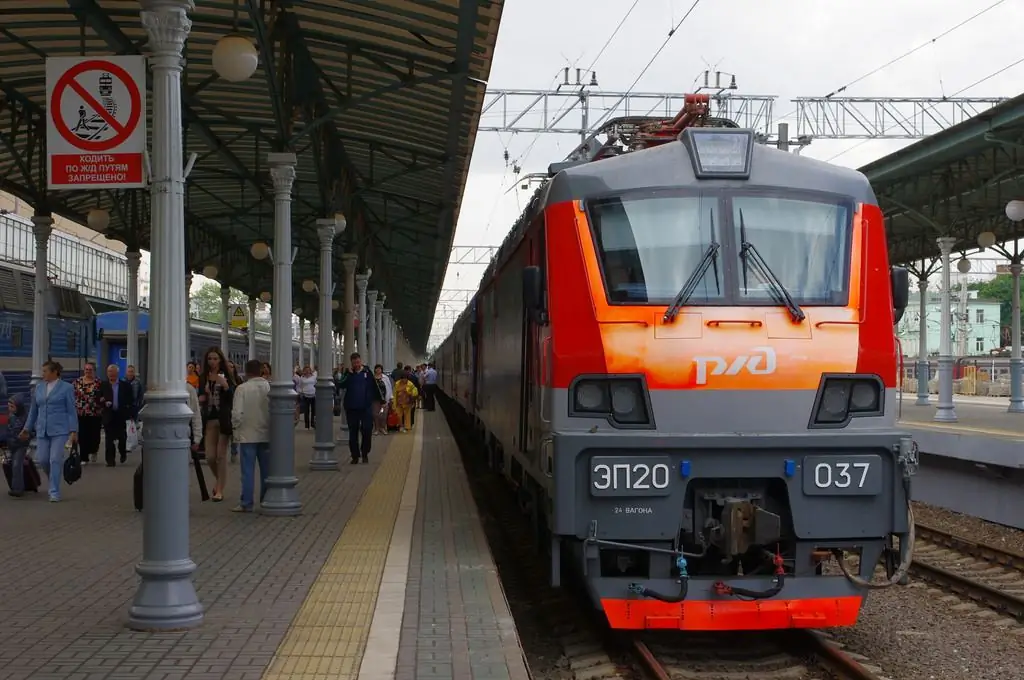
(790, 468)
(684, 468)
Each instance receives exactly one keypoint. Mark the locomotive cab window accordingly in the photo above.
(650, 246)
(803, 242)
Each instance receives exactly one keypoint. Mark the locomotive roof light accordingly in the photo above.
(719, 153)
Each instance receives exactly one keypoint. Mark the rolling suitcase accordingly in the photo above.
(31, 472)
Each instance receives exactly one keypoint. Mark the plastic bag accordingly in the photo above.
(132, 438)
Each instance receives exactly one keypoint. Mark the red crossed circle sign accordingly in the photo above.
(122, 131)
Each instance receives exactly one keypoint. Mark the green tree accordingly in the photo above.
(999, 289)
(205, 304)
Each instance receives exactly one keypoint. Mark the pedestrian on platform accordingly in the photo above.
(250, 417)
(405, 401)
(429, 387)
(306, 387)
(360, 392)
(89, 406)
(383, 400)
(118, 409)
(54, 419)
(17, 448)
(215, 392)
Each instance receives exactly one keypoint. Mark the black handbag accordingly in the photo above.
(73, 465)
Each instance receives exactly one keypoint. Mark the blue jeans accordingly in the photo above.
(50, 458)
(253, 454)
(18, 469)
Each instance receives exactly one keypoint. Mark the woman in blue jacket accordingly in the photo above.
(54, 419)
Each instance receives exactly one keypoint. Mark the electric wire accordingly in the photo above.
(955, 94)
(903, 56)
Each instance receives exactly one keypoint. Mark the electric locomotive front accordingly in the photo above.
(720, 382)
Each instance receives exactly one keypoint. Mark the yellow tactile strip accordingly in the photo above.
(327, 637)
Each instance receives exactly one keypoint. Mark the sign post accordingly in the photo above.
(96, 122)
(238, 316)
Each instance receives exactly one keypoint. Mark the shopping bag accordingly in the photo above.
(132, 437)
(73, 465)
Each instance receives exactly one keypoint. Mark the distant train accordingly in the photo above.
(697, 406)
(112, 344)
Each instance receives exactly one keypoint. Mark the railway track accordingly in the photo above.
(565, 639)
(985, 574)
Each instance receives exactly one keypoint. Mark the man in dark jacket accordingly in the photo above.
(360, 391)
(118, 408)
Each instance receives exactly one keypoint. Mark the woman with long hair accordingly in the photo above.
(215, 391)
(89, 406)
(306, 387)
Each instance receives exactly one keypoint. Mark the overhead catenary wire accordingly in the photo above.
(913, 50)
(990, 76)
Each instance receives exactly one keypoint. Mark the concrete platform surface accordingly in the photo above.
(318, 596)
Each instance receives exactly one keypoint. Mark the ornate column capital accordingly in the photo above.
(387, 314)
(134, 259)
(362, 280)
(42, 227)
(1015, 269)
(349, 262)
(282, 172)
(225, 293)
(326, 229)
(922, 284)
(167, 24)
(946, 244)
(371, 297)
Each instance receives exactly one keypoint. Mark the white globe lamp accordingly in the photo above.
(210, 271)
(1015, 211)
(235, 58)
(297, 311)
(309, 285)
(265, 296)
(963, 265)
(98, 220)
(986, 239)
(335, 304)
(259, 250)
(339, 221)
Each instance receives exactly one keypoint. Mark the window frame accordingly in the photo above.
(726, 231)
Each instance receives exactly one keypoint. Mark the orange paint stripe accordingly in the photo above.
(721, 615)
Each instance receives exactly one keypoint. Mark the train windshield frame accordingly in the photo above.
(648, 243)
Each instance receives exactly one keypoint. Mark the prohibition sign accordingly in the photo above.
(121, 131)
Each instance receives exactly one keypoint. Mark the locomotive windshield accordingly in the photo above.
(651, 246)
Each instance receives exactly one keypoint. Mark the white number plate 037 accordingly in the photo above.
(842, 475)
(630, 475)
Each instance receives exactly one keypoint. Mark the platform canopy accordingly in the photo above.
(379, 99)
(956, 183)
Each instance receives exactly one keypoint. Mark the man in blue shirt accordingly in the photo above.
(430, 388)
(360, 391)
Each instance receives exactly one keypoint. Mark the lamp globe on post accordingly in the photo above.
(986, 239)
(210, 271)
(98, 220)
(963, 265)
(265, 296)
(1015, 211)
(309, 285)
(259, 251)
(235, 58)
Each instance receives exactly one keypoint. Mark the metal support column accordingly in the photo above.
(302, 342)
(282, 493)
(225, 319)
(42, 227)
(348, 263)
(252, 329)
(389, 359)
(323, 447)
(134, 259)
(361, 281)
(378, 330)
(945, 411)
(923, 370)
(166, 598)
(1016, 363)
(370, 356)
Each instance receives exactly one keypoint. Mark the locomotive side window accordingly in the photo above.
(649, 247)
(804, 242)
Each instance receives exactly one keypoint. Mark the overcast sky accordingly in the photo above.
(787, 48)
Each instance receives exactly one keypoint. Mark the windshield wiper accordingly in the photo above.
(708, 259)
(751, 257)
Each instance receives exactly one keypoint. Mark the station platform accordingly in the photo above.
(386, 574)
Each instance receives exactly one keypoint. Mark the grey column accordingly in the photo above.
(378, 330)
(1016, 363)
(945, 411)
(348, 263)
(370, 356)
(323, 447)
(252, 328)
(42, 227)
(302, 341)
(166, 598)
(923, 369)
(282, 494)
(389, 353)
(361, 281)
(188, 295)
(225, 320)
(134, 259)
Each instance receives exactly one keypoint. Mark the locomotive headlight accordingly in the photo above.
(627, 402)
(843, 397)
(591, 396)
